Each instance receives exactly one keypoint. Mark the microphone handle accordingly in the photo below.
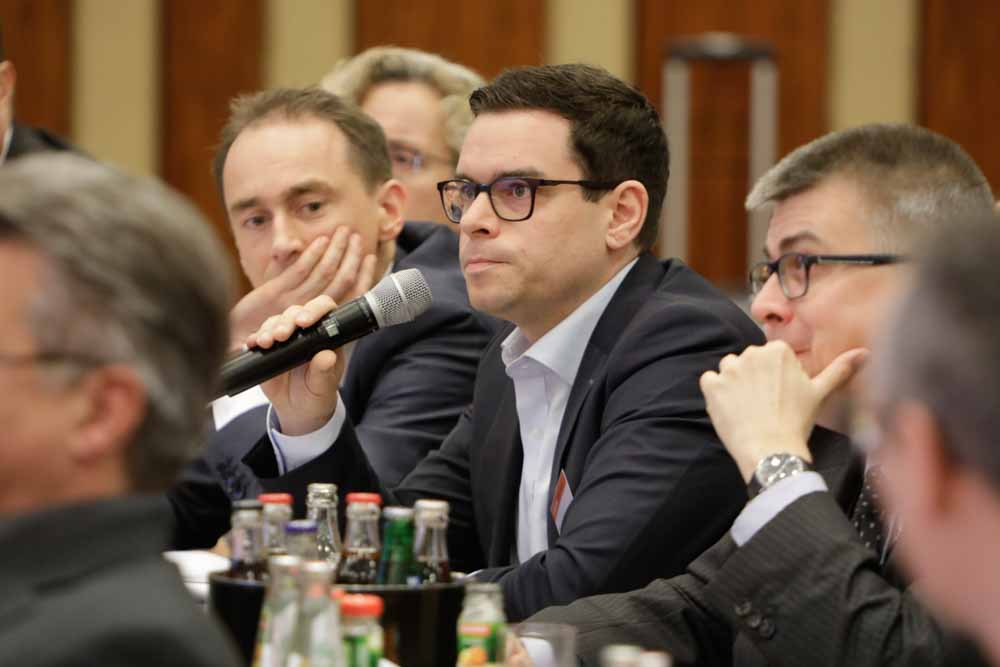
(251, 367)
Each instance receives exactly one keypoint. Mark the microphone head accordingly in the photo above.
(399, 297)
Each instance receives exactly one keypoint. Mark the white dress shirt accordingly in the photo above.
(543, 375)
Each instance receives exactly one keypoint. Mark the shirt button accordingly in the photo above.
(766, 629)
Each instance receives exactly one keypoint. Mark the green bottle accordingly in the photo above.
(397, 546)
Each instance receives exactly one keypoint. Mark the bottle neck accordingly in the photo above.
(247, 544)
(431, 543)
(362, 534)
(324, 513)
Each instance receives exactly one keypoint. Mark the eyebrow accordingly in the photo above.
(790, 241)
(297, 190)
(527, 172)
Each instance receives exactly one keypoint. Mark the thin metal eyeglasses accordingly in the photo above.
(406, 160)
(512, 197)
(793, 269)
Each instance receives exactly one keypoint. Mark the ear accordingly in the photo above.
(628, 203)
(931, 472)
(391, 201)
(114, 407)
(8, 79)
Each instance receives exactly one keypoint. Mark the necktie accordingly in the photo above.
(868, 517)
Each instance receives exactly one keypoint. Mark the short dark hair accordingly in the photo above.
(943, 347)
(616, 133)
(367, 145)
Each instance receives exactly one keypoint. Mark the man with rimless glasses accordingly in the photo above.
(586, 462)
(807, 574)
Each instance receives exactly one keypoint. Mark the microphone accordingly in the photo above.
(398, 298)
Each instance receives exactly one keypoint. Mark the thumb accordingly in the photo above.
(322, 372)
(840, 371)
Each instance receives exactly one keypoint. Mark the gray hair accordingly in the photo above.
(133, 275)
(354, 77)
(942, 347)
(912, 179)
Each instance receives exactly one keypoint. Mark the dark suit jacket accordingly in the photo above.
(87, 585)
(803, 591)
(652, 485)
(27, 140)
(404, 389)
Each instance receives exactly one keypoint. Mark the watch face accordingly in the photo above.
(777, 466)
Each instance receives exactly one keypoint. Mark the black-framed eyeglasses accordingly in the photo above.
(793, 269)
(512, 197)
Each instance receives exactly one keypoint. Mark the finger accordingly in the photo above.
(314, 311)
(839, 371)
(347, 272)
(263, 337)
(299, 271)
(322, 366)
(326, 268)
(366, 275)
(728, 362)
(707, 381)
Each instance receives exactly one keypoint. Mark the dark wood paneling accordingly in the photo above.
(719, 141)
(37, 39)
(959, 83)
(211, 52)
(484, 35)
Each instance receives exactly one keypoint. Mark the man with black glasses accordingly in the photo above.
(586, 462)
(807, 574)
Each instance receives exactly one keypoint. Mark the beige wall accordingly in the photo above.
(115, 76)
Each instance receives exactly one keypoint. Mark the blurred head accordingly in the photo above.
(936, 392)
(874, 189)
(8, 77)
(296, 164)
(114, 303)
(560, 122)
(421, 101)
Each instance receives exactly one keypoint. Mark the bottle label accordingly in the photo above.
(480, 643)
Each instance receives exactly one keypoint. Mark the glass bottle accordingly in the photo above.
(482, 626)
(321, 507)
(430, 543)
(300, 539)
(316, 638)
(620, 655)
(278, 613)
(361, 630)
(396, 564)
(361, 551)
(277, 513)
(246, 542)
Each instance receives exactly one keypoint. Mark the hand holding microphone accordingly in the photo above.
(301, 340)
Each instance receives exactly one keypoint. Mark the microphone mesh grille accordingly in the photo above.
(400, 297)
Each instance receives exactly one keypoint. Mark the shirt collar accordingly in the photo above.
(561, 349)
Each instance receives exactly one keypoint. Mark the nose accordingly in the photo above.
(480, 219)
(771, 306)
(287, 242)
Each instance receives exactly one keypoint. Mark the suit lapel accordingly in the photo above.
(501, 471)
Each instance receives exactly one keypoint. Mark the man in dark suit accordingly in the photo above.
(937, 388)
(114, 301)
(806, 574)
(17, 140)
(307, 183)
(586, 462)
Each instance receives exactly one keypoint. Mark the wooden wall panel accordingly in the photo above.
(211, 52)
(486, 36)
(36, 35)
(959, 83)
(719, 120)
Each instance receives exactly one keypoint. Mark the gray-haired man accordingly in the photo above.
(113, 314)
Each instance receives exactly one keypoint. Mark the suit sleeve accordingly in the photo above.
(200, 507)
(824, 599)
(667, 615)
(658, 488)
(419, 393)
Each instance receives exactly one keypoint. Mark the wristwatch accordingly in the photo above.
(774, 468)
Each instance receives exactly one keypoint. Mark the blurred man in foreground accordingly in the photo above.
(937, 404)
(114, 326)
(807, 574)
(421, 101)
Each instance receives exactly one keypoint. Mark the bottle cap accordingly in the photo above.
(301, 526)
(247, 504)
(364, 498)
(361, 605)
(275, 498)
(394, 513)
